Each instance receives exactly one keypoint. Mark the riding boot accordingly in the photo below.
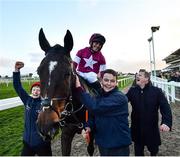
(96, 87)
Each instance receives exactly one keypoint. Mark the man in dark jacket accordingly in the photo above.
(33, 142)
(146, 100)
(110, 116)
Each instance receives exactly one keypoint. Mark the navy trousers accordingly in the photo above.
(122, 151)
(40, 150)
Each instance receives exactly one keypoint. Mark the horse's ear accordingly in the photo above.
(68, 41)
(44, 44)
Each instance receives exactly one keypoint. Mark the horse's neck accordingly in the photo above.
(86, 86)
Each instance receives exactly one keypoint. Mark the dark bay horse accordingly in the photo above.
(61, 106)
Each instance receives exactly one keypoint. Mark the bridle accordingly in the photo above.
(66, 112)
(68, 108)
(47, 103)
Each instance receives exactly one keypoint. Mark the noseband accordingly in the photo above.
(68, 110)
(47, 103)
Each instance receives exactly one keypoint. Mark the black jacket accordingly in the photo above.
(146, 103)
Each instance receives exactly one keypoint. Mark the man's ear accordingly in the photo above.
(147, 80)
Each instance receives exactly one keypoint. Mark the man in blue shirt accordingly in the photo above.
(110, 116)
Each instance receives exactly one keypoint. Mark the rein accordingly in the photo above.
(65, 113)
(72, 113)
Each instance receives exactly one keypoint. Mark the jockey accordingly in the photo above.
(89, 62)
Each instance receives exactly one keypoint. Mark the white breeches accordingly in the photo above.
(91, 77)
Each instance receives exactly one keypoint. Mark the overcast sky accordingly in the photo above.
(126, 24)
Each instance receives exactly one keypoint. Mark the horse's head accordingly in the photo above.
(55, 74)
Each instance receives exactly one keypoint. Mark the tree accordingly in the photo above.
(30, 75)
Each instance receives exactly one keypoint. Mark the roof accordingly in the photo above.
(173, 57)
(172, 66)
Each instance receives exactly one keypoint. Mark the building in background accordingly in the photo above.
(173, 60)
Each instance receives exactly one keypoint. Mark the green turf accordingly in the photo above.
(9, 92)
(11, 130)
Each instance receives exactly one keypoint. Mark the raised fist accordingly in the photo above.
(19, 65)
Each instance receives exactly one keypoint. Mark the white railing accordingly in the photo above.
(10, 103)
(10, 80)
(13, 102)
(123, 82)
(170, 89)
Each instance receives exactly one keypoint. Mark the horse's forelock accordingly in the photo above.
(56, 49)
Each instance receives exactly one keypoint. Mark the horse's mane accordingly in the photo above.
(86, 86)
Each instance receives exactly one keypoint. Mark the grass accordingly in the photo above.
(9, 92)
(121, 87)
(12, 123)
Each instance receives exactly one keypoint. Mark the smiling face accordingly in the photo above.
(96, 46)
(109, 82)
(36, 92)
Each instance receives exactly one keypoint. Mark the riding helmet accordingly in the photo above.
(96, 37)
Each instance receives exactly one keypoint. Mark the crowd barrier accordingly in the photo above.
(170, 89)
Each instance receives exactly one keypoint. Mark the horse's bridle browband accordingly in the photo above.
(59, 99)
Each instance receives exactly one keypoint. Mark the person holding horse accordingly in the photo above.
(146, 100)
(90, 62)
(110, 116)
(33, 144)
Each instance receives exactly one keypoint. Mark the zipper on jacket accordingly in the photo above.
(30, 140)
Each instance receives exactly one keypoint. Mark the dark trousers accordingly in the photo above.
(139, 149)
(42, 150)
(122, 151)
